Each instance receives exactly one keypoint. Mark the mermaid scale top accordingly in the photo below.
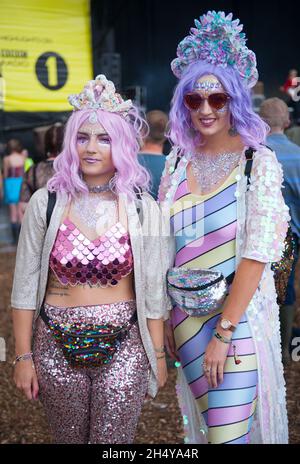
(76, 260)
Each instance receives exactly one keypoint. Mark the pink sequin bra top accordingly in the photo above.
(76, 260)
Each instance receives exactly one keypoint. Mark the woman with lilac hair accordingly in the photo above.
(83, 279)
(221, 190)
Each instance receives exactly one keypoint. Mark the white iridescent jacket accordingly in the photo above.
(262, 218)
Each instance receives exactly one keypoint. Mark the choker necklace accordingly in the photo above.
(211, 170)
(100, 188)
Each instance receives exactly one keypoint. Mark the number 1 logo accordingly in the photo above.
(51, 70)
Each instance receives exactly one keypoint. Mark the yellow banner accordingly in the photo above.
(45, 53)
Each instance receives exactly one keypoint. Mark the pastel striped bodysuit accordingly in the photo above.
(205, 228)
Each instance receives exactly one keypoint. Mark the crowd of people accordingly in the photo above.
(126, 251)
(21, 177)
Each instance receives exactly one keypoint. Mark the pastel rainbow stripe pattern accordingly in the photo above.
(205, 230)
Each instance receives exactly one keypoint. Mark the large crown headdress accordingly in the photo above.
(218, 40)
(100, 93)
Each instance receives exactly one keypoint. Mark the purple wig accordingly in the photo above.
(125, 135)
(252, 129)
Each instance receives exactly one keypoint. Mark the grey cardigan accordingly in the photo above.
(149, 252)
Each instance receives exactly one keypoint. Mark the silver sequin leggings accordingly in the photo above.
(96, 404)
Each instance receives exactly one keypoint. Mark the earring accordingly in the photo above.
(192, 132)
(232, 131)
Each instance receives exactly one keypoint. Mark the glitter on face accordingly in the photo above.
(95, 129)
(92, 404)
(223, 110)
(208, 120)
(209, 84)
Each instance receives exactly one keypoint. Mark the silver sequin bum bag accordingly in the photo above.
(197, 292)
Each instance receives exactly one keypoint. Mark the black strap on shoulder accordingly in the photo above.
(138, 193)
(139, 206)
(50, 206)
(249, 157)
(269, 147)
(34, 177)
(177, 161)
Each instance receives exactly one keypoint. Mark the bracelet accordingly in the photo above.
(161, 357)
(222, 339)
(161, 349)
(22, 357)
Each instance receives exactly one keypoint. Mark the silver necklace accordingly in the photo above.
(211, 170)
(100, 188)
(96, 211)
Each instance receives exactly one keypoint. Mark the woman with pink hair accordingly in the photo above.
(90, 278)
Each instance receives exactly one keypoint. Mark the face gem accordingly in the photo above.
(93, 118)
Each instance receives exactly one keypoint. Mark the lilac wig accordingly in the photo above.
(252, 129)
(125, 134)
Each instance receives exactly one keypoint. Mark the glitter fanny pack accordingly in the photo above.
(197, 292)
(91, 344)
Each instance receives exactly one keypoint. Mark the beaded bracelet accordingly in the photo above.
(22, 357)
(161, 349)
(222, 339)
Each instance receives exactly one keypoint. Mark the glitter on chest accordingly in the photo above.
(211, 171)
(103, 262)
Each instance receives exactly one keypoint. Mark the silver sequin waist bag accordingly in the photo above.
(197, 292)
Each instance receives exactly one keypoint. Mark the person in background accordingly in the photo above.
(290, 89)
(2, 151)
(1, 186)
(258, 96)
(151, 155)
(290, 83)
(275, 113)
(25, 153)
(293, 133)
(39, 174)
(13, 171)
